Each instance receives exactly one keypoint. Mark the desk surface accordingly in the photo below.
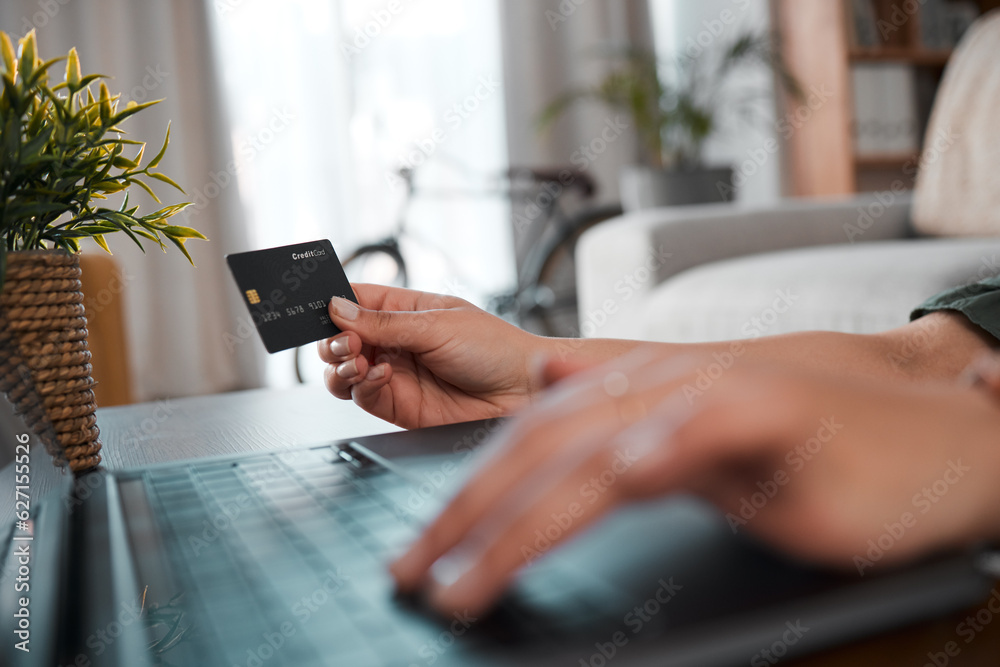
(244, 421)
(263, 420)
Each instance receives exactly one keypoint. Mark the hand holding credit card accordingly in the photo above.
(288, 290)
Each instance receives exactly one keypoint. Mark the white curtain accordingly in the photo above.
(327, 99)
(182, 321)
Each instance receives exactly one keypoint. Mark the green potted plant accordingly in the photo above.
(674, 107)
(63, 153)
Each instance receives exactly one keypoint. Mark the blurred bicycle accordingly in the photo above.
(543, 299)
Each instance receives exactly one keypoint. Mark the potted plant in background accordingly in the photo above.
(674, 110)
(62, 153)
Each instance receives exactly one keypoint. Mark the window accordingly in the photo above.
(327, 100)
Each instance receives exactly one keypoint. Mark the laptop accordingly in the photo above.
(279, 558)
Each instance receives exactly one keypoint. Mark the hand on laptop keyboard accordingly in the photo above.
(840, 472)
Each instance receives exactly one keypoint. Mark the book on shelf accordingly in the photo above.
(863, 25)
(873, 23)
(885, 110)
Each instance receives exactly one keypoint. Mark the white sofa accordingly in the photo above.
(858, 264)
(718, 272)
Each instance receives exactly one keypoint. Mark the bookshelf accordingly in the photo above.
(870, 70)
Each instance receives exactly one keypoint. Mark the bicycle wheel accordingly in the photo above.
(381, 263)
(556, 311)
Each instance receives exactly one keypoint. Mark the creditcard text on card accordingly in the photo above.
(287, 291)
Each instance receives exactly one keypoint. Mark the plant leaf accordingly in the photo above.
(180, 244)
(166, 179)
(130, 110)
(99, 239)
(183, 232)
(159, 156)
(145, 187)
(9, 59)
(62, 150)
(26, 64)
(73, 71)
(105, 108)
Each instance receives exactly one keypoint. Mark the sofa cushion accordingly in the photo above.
(861, 288)
(958, 187)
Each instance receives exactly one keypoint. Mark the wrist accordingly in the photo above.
(537, 350)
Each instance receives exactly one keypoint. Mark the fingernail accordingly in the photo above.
(340, 347)
(376, 372)
(348, 369)
(456, 585)
(344, 308)
(448, 569)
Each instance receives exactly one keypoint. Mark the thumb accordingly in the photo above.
(381, 328)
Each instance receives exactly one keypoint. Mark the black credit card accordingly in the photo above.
(288, 290)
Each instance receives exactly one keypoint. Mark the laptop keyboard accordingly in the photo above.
(282, 557)
(289, 550)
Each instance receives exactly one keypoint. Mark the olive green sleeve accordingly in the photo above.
(980, 302)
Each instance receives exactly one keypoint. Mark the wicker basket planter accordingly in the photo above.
(43, 329)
